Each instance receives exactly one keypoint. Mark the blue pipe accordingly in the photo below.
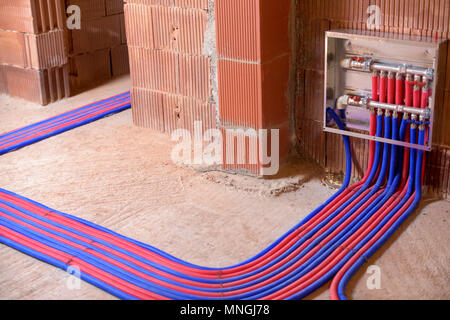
(330, 246)
(347, 180)
(124, 102)
(347, 144)
(87, 245)
(64, 129)
(165, 255)
(260, 292)
(63, 116)
(369, 253)
(45, 258)
(97, 262)
(329, 275)
(60, 119)
(54, 123)
(346, 183)
(105, 243)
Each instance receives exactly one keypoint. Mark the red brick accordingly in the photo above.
(32, 16)
(138, 25)
(237, 27)
(154, 69)
(182, 112)
(194, 77)
(119, 60)
(196, 4)
(147, 109)
(3, 82)
(99, 33)
(274, 29)
(240, 94)
(274, 84)
(123, 32)
(245, 154)
(90, 69)
(38, 86)
(90, 9)
(18, 15)
(114, 7)
(253, 68)
(13, 48)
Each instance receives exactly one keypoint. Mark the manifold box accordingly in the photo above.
(354, 59)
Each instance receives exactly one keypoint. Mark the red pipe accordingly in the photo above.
(51, 129)
(409, 86)
(83, 266)
(350, 243)
(334, 258)
(146, 254)
(425, 96)
(417, 92)
(391, 88)
(416, 98)
(399, 99)
(100, 103)
(373, 125)
(426, 93)
(409, 91)
(138, 292)
(327, 264)
(383, 87)
(335, 283)
(102, 247)
(266, 272)
(110, 260)
(135, 291)
(61, 219)
(375, 80)
(332, 206)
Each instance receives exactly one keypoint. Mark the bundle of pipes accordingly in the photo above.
(332, 242)
(22, 137)
(409, 96)
(336, 237)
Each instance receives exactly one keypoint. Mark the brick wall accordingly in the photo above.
(174, 74)
(97, 51)
(170, 74)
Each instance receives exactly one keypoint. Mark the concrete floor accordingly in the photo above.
(121, 177)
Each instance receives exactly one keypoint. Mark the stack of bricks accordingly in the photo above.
(98, 50)
(33, 59)
(170, 74)
(42, 61)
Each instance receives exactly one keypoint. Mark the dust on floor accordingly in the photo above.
(122, 177)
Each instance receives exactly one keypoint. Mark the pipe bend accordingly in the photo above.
(342, 102)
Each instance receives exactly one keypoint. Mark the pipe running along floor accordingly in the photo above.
(150, 199)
